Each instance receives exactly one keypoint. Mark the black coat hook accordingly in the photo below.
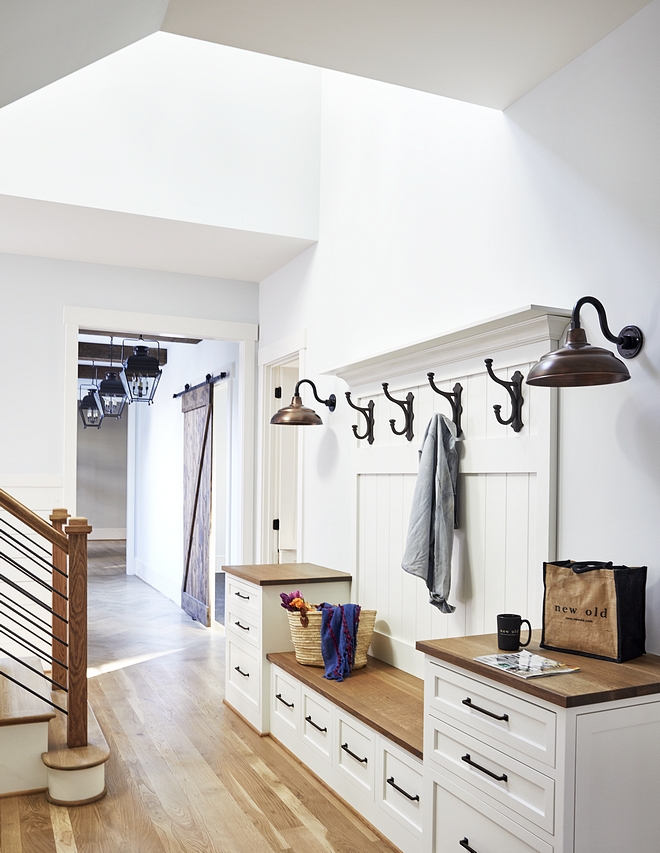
(514, 387)
(407, 406)
(454, 398)
(368, 412)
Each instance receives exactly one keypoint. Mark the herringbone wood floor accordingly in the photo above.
(186, 775)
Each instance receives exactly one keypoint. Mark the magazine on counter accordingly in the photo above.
(526, 664)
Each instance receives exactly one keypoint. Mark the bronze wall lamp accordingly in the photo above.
(579, 363)
(298, 415)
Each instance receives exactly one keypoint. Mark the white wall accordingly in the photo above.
(35, 292)
(101, 475)
(436, 214)
(158, 482)
(174, 128)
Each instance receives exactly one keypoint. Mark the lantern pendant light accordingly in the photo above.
(111, 392)
(141, 373)
(91, 411)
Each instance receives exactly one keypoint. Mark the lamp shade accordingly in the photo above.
(296, 415)
(578, 363)
(113, 396)
(141, 375)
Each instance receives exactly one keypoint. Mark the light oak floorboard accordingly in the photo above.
(186, 775)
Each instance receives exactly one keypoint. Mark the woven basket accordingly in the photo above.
(307, 641)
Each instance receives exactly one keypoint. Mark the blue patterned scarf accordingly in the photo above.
(339, 627)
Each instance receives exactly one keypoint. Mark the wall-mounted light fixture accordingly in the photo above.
(298, 415)
(579, 363)
(141, 373)
(89, 406)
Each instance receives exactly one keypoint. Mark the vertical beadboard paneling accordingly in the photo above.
(518, 531)
(495, 556)
(398, 608)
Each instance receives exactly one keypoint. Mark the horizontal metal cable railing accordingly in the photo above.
(28, 629)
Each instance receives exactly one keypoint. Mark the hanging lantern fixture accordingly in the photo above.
(111, 392)
(141, 373)
(91, 411)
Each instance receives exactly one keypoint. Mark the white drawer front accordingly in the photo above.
(316, 724)
(502, 719)
(355, 751)
(243, 625)
(521, 788)
(244, 671)
(461, 823)
(285, 700)
(243, 596)
(400, 786)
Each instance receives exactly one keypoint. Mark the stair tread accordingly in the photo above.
(60, 757)
(17, 706)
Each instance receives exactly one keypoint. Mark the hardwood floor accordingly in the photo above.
(186, 774)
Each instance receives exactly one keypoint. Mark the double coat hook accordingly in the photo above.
(407, 406)
(454, 398)
(368, 412)
(514, 387)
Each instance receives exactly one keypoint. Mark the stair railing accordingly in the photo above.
(57, 631)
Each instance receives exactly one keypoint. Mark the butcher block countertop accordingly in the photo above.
(276, 574)
(597, 680)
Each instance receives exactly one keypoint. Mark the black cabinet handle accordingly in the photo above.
(344, 746)
(466, 844)
(244, 597)
(466, 758)
(240, 672)
(391, 782)
(283, 701)
(316, 726)
(468, 702)
(242, 627)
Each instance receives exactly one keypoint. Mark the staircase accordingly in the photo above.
(49, 737)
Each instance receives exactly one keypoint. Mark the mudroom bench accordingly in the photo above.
(363, 737)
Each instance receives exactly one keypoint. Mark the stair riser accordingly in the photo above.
(21, 767)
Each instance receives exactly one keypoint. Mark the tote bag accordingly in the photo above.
(594, 609)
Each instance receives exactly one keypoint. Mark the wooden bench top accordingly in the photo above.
(278, 574)
(379, 695)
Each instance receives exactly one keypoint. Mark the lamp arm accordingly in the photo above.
(602, 317)
(331, 402)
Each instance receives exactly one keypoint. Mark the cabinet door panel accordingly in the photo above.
(617, 780)
(317, 723)
(355, 752)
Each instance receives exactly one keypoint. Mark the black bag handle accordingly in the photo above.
(590, 566)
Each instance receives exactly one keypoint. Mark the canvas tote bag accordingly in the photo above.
(594, 609)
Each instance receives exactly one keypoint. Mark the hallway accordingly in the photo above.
(186, 774)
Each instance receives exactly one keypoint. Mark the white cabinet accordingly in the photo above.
(571, 765)
(379, 779)
(256, 624)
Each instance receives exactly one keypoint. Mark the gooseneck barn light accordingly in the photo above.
(141, 373)
(578, 363)
(298, 415)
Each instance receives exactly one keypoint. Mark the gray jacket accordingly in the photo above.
(433, 515)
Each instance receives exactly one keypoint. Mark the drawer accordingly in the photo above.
(317, 723)
(243, 597)
(462, 823)
(399, 790)
(524, 790)
(285, 699)
(243, 625)
(354, 752)
(505, 721)
(244, 671)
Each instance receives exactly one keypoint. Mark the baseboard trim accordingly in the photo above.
(107, 533)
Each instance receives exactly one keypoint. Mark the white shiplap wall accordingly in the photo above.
(507, 483)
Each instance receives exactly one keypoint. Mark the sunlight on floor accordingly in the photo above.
(114, 665)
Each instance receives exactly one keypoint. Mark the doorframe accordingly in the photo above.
(271, 357)
(244, 334)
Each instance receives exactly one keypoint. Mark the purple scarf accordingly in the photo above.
(339, 626)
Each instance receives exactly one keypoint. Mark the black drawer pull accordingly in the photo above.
(244, 597)
(466, 758)
(466, 844)
(240, 672)
(316, 726)
(242, 627)
(468, 702)
(283, 701)
(344, 746)
(391, 782)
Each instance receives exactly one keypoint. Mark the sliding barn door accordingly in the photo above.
(197, 408)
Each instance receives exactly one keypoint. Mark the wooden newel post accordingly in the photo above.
(77, 531)
(58, 519)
